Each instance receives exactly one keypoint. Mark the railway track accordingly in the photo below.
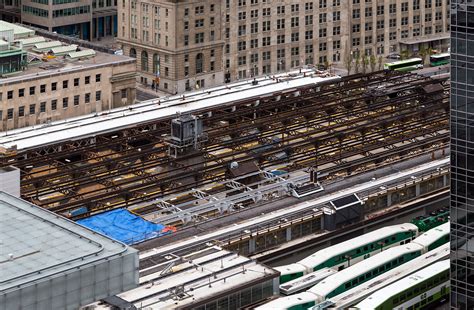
(342, 123)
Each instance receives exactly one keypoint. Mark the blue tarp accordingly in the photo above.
(123, 226)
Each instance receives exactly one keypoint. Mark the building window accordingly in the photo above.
(32, 90)
(133, 53)
(97, 78)
(199, 63)
(97, 95)
(87, 80)
(10, 113)
(21, 92)
(43, 88)
(65, 84)
(54, 104)
(123, 93)
(87, 98)
(42, 107)
(21, 111)
(199, 38)
(65, 102)
(76, 100)
(144, 61)
(10, 94)
(76, 82)
(32, 109)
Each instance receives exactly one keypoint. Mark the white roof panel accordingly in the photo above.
(151, 110)
(47, 45)
(18, 31)
(82, 54)
(63, 49)
(32, 41)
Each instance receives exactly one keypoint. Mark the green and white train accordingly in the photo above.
(417, 291)
(364, 271)
(344, 254)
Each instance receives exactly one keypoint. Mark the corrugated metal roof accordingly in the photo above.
(47, 45)
(82, 54)
(18, 31)
(32, 41)
(62, 50)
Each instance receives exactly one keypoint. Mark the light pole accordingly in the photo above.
(348, 260)
(381, 243)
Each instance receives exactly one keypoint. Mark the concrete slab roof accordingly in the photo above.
(37, 244)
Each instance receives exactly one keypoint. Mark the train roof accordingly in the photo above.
(433, 234)
(381, 295)
(289, 301)
(354, 243)
(362, 291)
(329, 284)
(306, 280)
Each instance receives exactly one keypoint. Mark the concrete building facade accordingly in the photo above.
(10, 11)
(462, 156)
(85, 19)
(42, 85)
(240, 39)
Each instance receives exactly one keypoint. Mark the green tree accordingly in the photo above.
(326, 64)
(380, 62)
(365, 63)
(404, 54)
(357, 63)
(348, 63)
(373, 62)
(423, 52)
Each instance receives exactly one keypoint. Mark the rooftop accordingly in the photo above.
(45, 58)
(38, 244)
(156, 109)
(196, 277)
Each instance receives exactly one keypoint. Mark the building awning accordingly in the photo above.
(423, 40)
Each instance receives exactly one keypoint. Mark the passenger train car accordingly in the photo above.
(363, 271)
(306, 281)
(419, 290)
(349, 252)
(434, 237)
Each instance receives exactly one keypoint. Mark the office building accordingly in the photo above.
(182, 45)
(45, 80)
(462, 156)
(84, 19)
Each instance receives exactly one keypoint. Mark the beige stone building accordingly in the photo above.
(204, 43)
(39, 84)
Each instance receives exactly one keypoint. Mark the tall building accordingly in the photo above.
(85, 19)
(184, 44)
(462, 155)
